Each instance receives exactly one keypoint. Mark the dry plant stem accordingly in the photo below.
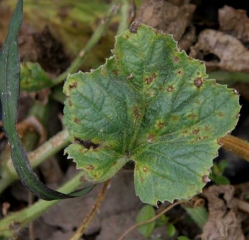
(80, 231)
(236, 145)
(46, 150)
(148, 221)
(242, 205)
(78, 61)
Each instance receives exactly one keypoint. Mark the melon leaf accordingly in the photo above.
(150, 104)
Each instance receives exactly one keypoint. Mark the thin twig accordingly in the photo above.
(98, 33)
(78, 234)
(150, 220)
(242, 205)
(236, 145)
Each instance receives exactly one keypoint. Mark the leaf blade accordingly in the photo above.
(176, 115)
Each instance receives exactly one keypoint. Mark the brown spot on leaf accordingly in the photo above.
(72, 85)
(159, 31)
(150, 79)
(76, 120)
(219, 142)
(206, 179)
(192, 187)
(176, 59)
(236, 91)
(70, 103)
(130, 76)
(145, 169)
(127, 36)
(207, 128)
(79, 141)
(136, 112)
(90, 167)
(220, 114)
(134, 26)
(175, 118)
(198, 82)
(170, 89)
(115, 72)
(160, 125)
(192, 116)
(179, 72)
(195, 131)
(150, 138)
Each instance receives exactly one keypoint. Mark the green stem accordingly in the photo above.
(124, 21)
(78, 61)
(229, 77)
(12, 224)
(46, 150)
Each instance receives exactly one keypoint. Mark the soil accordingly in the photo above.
(216, 32)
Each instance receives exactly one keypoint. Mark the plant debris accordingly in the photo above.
(223, 223)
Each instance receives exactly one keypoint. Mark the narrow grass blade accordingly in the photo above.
(9, 90)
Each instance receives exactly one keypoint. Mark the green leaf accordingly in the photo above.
(183, 238)
(171, 230)
(146, 213)
(162, 221)
(217, 173)
(33, 77)
(199, 215)
(9, 93)
(153, 105)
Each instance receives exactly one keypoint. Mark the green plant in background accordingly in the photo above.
(217, 173)
(183, 238)
(31, 71)
(148, 212)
